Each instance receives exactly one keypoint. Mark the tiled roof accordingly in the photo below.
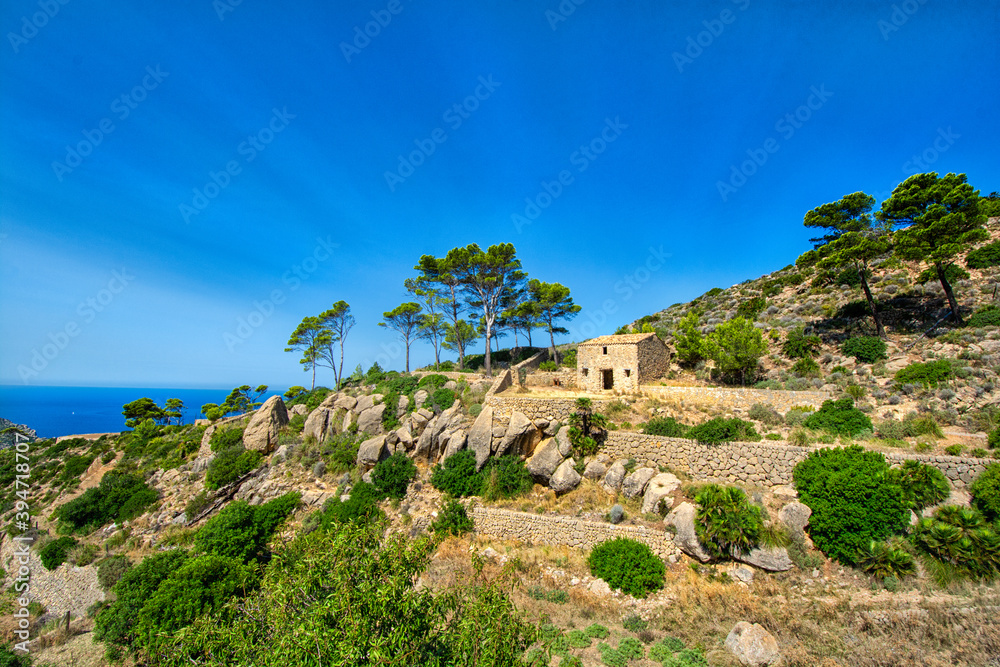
(621, 339)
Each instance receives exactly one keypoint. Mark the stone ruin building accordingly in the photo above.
(620, 362)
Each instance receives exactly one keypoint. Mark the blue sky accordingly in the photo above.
(169, 170)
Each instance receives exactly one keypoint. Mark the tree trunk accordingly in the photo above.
(340, 373)
(555, 353)
(407, 355)
(489, 332)
(437, 355)
(950, 294)
(314, 374)
(880, 330)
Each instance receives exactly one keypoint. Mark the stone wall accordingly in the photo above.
(535, 409)
(754, 463)
(621, 359)
(564, 531)
(738, 399)
(565, 377)
(66, 588)
(654, 359)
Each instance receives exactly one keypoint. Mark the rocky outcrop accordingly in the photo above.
(562, 439)
(372, 451)
(545, 460)
(753, 645)
(614, 477)
(261, 434)
(520, 438)
(565, 478)
(595, 470)
(659, 488)
(772, 559)
(370, 419)
(685, 537)
(635, 484)
(298, 409)
(481, 436)
(796, 517)
(321, 422)
(431, 443)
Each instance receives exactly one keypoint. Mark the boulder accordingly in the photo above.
(772, 559)
(349, 419)
(299, 409)
(752, 645)
(796, 517)
(685, 537)
(635, 484)
(420, 397)
(450, 384)
(370, 421)
(430, 443)
(660, 487)
(330, 400)
(365, 402)
(614, 477)
(481, 436)
(345, 402)
(595, 470)
(742, 573)
(565, 478)
(261, 433)
(372, 451)
(521, 436)
(551, 429)
(545, 460)
(401, 405)
(405, 437)
(320, 423)
(599, 587)
(562, 439)
(452, 442)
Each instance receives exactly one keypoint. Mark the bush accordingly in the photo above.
(110, 570)
(195, 506)
(229, 465)
(866, 349)
(798, 345)
(751, 308)
(341, 451)
(393, 475)
(887, 559)
(994, 438)
(984, 257)
(929, 374)
(958, 543)
(985, 317)
(432, 382)
(475, 409)
(8, 658)
(242, 531)
(985, 492)
(798, 415)
(806, 367)
(720, 429)
(457, 476)
(667, 427)
(923, 485)
(361, 508)
(120, 496)
(765, 414)
(839, 417)
(627, 565)
(726, 521)
(453, 519)
(55, 552)
(548, 366)
(225, 438)
(917, 425)
(506, 477)
(852, 498)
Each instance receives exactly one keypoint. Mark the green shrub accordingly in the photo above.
(957, 543)
(505, 477)
(917, 425)
(929, 374)
(548, 366)
(839, 417)
(953, 273)
(341, 451)
(988, 316)
(887, 559)
(226, 438)
(726, 522)
(120, 496)
(441, 399)
(751, 308)
(994, 438)
(798, 415)
(635, 623)
(627, 565)
(853, 500)
(432, 382)
(195, 506)
(953, 450)
(9, 658)
(667, 427)
(110, 570)
(720, 429)
(453, 519)
(457, 476)
(765, 414)
(923, 485)
(579, 639)
(984, 257)
(229, 465)
(242, 531)
(806, 367)
(798, 345)
(361, 508)
(597, 631)
(985, 492)
(55, 552)
(569, 359)
(475, 409)
(393, 475)
(866, 349)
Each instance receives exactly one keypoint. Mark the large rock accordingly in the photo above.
(405, 437)
(685, 537)
(481, 436)
(261, 433)
(365, 402)
(452, 442)
(752, 645)
(660, 487)
(565, 478)
(796, 517)
(545, 460)
(320, 423)
(521, 436)
(613, 479)
(344, 402)
(635, 484)
(772, 559)
(372, 451)
(299, 409)
(420, 397)
(401, 405)
(349, 419)
(430, 442)
(595, 470)
(370, 421)
(562, 439)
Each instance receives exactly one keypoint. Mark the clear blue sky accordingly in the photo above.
(113, 115)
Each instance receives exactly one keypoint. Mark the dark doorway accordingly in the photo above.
(608, 376)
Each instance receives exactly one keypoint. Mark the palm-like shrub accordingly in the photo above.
(957, 542)
(726, 522)
(923, 485)
(887, 559)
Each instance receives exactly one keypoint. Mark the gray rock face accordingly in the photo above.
(685, 537)
(366, 402)
(562, 439)
(659, 488)
(299, 409)
(345, 402)
(401, 405)
(405, 437)
(545, 460)
(521, 436)
(772, 559)
(595, 470)
(261, 433)
(430, 443)
(372, 451)
(349, 418)
(370, 421)
(320, 422)
(614, 477)
(565, 478)
(420, 397)
(481, 436)
(635, 484)
(753, 645)
(796, 517)
(452, 442)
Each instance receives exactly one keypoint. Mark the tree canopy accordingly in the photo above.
(405, 319)
(552, 302)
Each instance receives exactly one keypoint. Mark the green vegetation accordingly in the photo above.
(726, 521)
(241, 531)
(587, 429)
(736, 347)
(505, 477)
(985, 492)
(806, 367)
(987, 316)
(361, 508)
(928, 374)
(866, 349)
(957, 543)
(393, 475)
(229, 465)
(888, 558)
(55, 552)
(923, 485)
(119, 497)
(226, 437)
(984, 257)
(668, 427)
(688, 340)
(627, 565)
(798, 345)
(457, 476)
(453, 519)
(548, 303)
(839, 417)
(110, 570)
(765, 414)
(721, 429)
(751, 308)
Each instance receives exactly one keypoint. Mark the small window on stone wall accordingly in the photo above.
(628, 372)
(605, 350)
(586, 372)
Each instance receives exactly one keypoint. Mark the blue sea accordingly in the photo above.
(55, 411)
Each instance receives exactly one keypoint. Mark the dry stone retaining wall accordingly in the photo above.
(740, 399)
(760, 463)
(66, 588)
(535, 409)
(564, 531)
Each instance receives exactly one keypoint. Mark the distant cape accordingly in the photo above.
(7, 439)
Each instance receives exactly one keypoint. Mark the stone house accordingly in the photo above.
(621, 362)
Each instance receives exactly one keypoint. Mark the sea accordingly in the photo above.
(55, 411)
